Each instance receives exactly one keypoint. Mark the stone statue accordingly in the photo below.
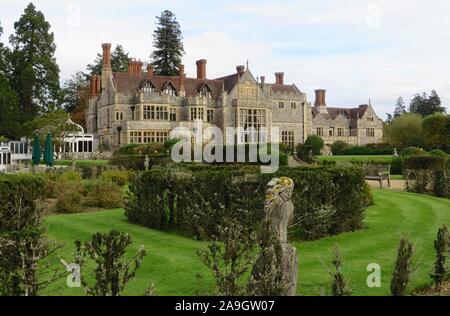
(395, 152)
(146, 163)
(275, 272)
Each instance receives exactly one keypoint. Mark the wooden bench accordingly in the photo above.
(378, 173)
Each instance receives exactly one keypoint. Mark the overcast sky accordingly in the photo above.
(357, 50)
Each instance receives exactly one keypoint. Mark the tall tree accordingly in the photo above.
(72, 91)
(405, 131)
(400, 107)
(119, 61)
(424, 105)
(167, 41)
(35, 74)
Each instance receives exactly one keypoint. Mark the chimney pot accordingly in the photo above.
(320, 97)
(201, 69)
(279, 78)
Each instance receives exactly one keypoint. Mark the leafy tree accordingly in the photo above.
(400, 107)
(316, 142)
(402, 269)
(74, 91)
(405, 131)
(424, 105)
(112, 272)
(119, 62)
(167, 41)
(230, 256)
(437, 131)
(389, 118)
(4, 57)
(35, 74)
(9, 108)
(24, 248)
(442, 247)
(56, 123)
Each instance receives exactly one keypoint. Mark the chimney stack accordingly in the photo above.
(279, 78)
(320, 97)
(149, 70)
(130, 66)
(98, 85)
(263, 81)
(138, 69)
(106, 55)
(93, 82)
(181, 75)
(201, 69)
(240, 70)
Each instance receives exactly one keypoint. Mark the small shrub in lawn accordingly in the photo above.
(339, 284)
(103, 194)
(337, 146)
(412, 151)
(442, 247)
(69, 201)
(306, 153)
(316, 142)
(107, 253)
(402, 269)
(438, 152)
(119, 177)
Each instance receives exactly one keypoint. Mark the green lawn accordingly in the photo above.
(381, 158)
(172, 263)
(82, 162)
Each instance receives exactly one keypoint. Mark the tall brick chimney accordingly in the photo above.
(320, 97)
(93, 82)
(139, 65)
(98, 85)
(240, 70)
(106, 55)
(263, 81)
(182, 76)
(201, 69)
(279, 78)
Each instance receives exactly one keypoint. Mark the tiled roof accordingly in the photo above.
(282, 88)
(129, 84)
(351, 113)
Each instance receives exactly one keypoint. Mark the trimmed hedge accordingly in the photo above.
(365, 150)
(327, 200)
(427, 174)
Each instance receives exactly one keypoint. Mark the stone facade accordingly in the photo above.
(355, 126)
(141, 107)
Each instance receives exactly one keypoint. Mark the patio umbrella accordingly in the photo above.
(36, 151)
(48, 151)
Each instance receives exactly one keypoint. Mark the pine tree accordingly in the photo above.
(167, 41)
(35, 74)
(73, 91)
(119, 62)
(400, 107)
(425, 106)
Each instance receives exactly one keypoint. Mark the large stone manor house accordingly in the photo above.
(142, 107)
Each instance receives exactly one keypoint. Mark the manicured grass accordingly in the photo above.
(173, 265)
(82, 162)
(381, 158)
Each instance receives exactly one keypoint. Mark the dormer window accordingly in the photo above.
(205, 92)
(148, 87)
(169, 90)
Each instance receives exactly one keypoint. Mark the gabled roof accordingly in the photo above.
(130, 84)
(283, 88)
(350, 113)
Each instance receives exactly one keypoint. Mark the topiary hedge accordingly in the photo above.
(427, 174)
(327, 200)
(316, 142)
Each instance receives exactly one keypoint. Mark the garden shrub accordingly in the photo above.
(69, 201)
(303, 153)
(337, 146)
(438, 152)
(365, 151)
(103, 194)
(119, 177)
(396, 165)
(196, 203)
(412, 151)
(427, 174)
(136, 162)
(316, 142)
(29, 185)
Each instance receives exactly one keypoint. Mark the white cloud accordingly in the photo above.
(357, 50)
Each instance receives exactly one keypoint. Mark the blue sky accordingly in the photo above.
(355, 49)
